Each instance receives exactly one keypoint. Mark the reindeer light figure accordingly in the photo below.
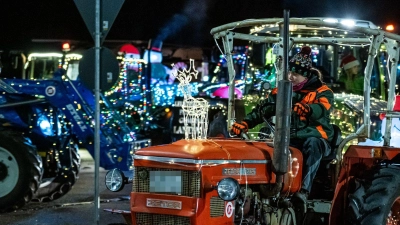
(195, 110)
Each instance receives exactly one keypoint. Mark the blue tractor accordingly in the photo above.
(43, 124)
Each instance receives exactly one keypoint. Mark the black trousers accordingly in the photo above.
(313, 150)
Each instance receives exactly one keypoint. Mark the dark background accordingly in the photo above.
(180, 22)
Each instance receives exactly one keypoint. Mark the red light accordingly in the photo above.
(65, 47)
(390, 27)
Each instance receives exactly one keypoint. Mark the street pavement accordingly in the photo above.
(76, 207)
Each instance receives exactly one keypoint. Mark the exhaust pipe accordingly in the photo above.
(283, 111)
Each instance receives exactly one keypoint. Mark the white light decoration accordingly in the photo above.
(348, 22)
(155, 57)
(330, 20)
(195, 110)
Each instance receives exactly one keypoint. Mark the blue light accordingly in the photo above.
(45, 125)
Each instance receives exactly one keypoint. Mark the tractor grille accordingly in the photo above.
(190, 181)
(160, 219)
(217, 207)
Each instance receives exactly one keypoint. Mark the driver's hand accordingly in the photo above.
(238, 128)
(302, 109)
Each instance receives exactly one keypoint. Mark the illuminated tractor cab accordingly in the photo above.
(235, 181)
(42, 65)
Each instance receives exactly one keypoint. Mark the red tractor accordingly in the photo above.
(235, 181)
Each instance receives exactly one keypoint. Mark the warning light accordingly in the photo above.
(390, 27)
(66, 47)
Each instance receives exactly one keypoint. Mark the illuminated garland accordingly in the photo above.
(239, 57)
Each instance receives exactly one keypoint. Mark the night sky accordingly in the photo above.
(180, 22)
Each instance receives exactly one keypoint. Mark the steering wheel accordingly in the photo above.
(243, 135)
(271, 125)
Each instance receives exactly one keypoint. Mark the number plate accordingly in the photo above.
(166, 182)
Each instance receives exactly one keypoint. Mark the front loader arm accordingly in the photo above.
(78, 105)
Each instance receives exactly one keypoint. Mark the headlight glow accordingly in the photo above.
(45, 125)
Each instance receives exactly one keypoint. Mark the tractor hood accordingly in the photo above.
(220, 155)
(209, 150)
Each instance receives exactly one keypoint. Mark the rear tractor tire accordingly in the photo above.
(20, 171)
(377, 200)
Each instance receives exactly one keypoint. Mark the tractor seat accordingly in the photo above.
(337, 138)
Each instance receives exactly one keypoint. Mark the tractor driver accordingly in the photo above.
(312, 103)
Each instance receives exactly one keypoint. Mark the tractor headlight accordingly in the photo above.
(45, 125)
(228, 189)
(115, 180)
